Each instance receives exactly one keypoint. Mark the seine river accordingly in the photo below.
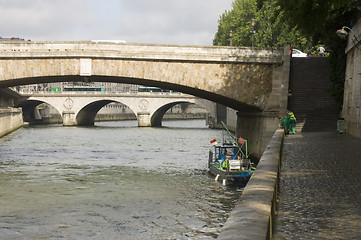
(111, 181)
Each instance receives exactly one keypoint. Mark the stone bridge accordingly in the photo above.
(252, 81)
(81, 108)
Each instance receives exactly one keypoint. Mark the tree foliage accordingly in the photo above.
(319, 19)
(270, 28)
(239, 21)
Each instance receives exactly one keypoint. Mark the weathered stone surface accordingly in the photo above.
(352, 95)
(10, 120)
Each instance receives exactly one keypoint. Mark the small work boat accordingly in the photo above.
(229, 163)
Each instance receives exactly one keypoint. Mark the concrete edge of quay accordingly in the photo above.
(11, 119)
(3, 134)
(253, 215)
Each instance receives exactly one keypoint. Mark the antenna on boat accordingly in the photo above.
(235, 141)
(223, 140)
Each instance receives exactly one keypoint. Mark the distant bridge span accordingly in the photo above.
(81, 109)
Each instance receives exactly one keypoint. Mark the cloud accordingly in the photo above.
(157, 21)
(41, 19)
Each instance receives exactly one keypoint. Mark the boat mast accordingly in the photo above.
(235, 141)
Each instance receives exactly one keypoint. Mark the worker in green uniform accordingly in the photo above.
(291, 122)
(283, 121)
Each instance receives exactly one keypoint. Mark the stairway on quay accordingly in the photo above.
(308, 98)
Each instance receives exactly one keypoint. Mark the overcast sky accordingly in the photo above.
(186, 22)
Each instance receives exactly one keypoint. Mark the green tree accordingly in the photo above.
(239, 21)
(271, 29)
(224, 26)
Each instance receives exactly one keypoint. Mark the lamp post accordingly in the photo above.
(253, 22)
(342, 33)
(230, 37)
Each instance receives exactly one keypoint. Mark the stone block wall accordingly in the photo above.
(10, 120)
(352, 93)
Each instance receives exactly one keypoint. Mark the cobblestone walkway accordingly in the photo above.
(320, 187)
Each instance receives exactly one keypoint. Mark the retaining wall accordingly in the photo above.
(252, 217)
(10, 120)
(352, 94)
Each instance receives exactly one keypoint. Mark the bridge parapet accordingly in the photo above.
(106, 94)
(242, 78)
(87, 49)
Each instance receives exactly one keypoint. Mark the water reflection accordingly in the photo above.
(111, 181)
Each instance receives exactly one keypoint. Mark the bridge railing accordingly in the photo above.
(87, 49)
(99, 93)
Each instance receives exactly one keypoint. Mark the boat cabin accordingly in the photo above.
(226, 152)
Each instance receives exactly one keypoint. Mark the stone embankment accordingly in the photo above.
(10, 120)
(253, 216)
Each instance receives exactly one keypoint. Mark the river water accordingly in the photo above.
(111, 181)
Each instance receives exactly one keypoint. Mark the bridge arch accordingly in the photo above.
(244, 79)
(86, 115)
(157, 117)
(224, 97)
(29, 108)
(153, 117)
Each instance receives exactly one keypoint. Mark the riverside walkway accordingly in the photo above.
(319, 187)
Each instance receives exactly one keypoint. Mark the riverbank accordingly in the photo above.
(10, 120)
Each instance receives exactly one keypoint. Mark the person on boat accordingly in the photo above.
(225, 163)
(291, 122)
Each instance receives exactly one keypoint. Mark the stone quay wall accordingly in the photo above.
(352, 95)
(253, 216)
(10, 120)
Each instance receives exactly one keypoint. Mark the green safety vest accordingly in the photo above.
(225, 163)
(291, 116)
